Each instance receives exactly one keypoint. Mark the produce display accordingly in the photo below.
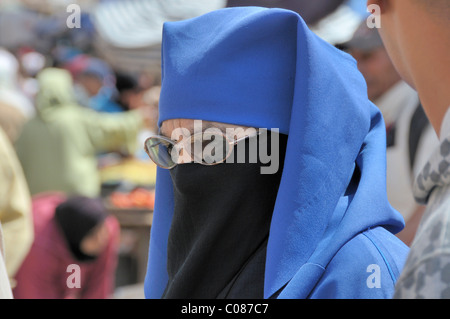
(129, 184)
(137, 198)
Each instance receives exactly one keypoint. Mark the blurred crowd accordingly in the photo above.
(64, 116)
(66, 113)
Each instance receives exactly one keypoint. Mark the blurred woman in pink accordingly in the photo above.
(74, 254)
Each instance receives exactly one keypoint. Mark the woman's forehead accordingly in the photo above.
(168, 126)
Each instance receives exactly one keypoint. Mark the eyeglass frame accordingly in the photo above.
(174, 143)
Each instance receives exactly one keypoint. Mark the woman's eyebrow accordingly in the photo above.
(205, 126)
(192, 129)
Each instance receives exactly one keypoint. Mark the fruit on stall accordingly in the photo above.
(137, 198)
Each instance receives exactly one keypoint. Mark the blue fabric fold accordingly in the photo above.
(264, 68)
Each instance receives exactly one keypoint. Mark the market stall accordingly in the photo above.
(128, 193)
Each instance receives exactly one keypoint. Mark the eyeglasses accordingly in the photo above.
(206, 148)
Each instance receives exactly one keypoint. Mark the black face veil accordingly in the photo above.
(218, 237)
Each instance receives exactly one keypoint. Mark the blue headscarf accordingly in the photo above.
(264, 68)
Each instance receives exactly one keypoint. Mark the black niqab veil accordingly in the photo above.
(218, 237)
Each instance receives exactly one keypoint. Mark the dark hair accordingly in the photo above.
(77, 216)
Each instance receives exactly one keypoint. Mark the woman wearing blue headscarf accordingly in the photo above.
(318, 225)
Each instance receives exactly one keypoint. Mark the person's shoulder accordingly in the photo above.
(431, 240)
(375, 246)
(367, 266)
(429, 260)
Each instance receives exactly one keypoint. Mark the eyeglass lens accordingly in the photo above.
(205, 148)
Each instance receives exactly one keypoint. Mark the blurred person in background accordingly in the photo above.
(74, 254)
(132, 95)
(16, 234)
(151, 98)
(5, 285)
(10, 91)
(410, 137)
(129, 89)
(16, 226)
(98, 82)
(15, 207)
(32, 62)
(58, 147)
(16, 107)
(11, 120)
(419, 49)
